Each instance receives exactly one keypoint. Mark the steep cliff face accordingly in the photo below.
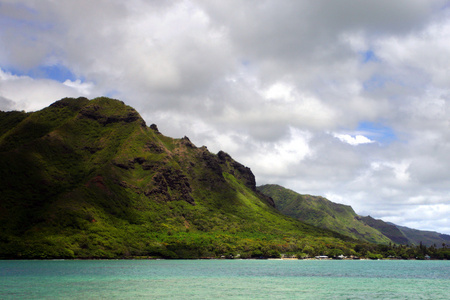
(88, 178)
(242, 173)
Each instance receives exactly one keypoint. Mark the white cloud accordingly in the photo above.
(269, 159)
(84, 88)
(399, 170)
(353, 140)
(31, 94)
(424, 52)
(432, 217)
(279, 92)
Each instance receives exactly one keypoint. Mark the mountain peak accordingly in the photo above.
(73, 103)
(105, 110)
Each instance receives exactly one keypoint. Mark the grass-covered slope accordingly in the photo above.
(323, 213)
(88, 178)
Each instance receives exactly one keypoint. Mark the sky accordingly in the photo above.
(345, 99)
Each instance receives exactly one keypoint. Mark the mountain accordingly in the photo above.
(405, 235)
(389, 230)
(427, 238)
(88, 178)
(322, 213)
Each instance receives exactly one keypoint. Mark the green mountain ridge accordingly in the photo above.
(389, 230)
(428, 238)
(321, 212)
(89, 179)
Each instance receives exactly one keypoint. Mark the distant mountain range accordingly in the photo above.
(321, 212)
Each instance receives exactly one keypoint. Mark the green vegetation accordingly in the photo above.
(88, 179)
(323, 213)
(394, 251)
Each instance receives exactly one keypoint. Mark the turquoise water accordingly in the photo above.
(224, 279)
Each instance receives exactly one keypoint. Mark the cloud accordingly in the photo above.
(345, 99)
(26, 93)
(353, 140)
(6, 104)
(84, 88)
(277, 159)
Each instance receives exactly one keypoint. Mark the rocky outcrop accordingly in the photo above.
(171, 184)
(129, 164)
(153, 147)
(71, 103)
(187, 142)
(94, 112)
(238, 170)
(105, 116)
(212, 163)
(154, 128)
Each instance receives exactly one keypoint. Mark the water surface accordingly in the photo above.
(225, 279)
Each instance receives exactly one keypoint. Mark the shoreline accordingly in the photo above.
(214, 258)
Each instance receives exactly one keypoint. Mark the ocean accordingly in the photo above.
(224, 279)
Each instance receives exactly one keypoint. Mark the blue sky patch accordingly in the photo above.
(377, 131)
(55, 72)
(369, 56)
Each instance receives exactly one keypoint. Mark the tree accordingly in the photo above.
(335, 252)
